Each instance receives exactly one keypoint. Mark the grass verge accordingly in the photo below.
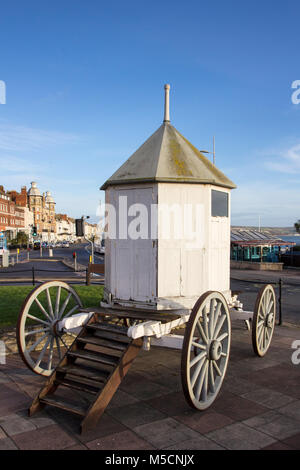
(12, 297)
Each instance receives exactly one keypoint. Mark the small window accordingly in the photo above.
(219, 204)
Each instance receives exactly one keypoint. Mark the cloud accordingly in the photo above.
(11, 164)
(15, 138)
(287, 161)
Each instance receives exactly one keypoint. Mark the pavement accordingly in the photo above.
(258, 406)
(60, 266)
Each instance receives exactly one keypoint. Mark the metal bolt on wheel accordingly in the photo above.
(205, 352)
(39, 340)
(263, 320)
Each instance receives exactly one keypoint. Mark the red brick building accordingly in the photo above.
(20, 199)
(11, 216)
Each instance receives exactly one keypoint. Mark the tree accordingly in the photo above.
(21, 239)
(297, 226)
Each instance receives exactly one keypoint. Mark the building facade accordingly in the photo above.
(43, 208)
(11, 215)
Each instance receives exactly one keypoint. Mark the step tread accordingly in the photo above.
(95, 357)
(58, 402)
(79, 385)
(104, 342)
(112, 336)
(103, 326)
(84, 371)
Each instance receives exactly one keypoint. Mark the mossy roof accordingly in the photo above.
(167, 156)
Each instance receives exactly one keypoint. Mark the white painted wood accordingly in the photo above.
(240, 315)
(74, 321)
(185, 271)
(156, 328)
(174, 271)
(130, 264)
(168, 341)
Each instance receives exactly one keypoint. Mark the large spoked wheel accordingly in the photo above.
(39, 339)
(205, 352)
(263, 323)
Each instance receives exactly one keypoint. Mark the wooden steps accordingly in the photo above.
(64, 405)
(91, 371)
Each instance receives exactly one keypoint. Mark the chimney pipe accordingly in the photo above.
(167, 104)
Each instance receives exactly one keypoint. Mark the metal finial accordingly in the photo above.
(167, 104)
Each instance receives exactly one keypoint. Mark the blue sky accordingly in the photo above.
(84, 83)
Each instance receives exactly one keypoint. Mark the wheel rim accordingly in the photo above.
(206, 348)
(39, 341)
(264, 320)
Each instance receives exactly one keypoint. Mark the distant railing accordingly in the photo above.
(278, 283)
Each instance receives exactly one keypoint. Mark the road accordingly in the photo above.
(42, 268)
(290, 298)
(46, 268)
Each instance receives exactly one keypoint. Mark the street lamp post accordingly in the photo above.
(90, 241)
(213, 153)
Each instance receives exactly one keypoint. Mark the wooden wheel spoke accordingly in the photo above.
(211, 317)
(202, 334)
(211, 377)
(270, 306)
(260, 324)
(49, 303)
(35, 332)
(219, 326)
(42, 309)
(42, 352)
(197, 372)
(205, 321)
(64, 305)
(37, 319)
(38, 341)
(50, 358)
(76, 307)
(217, 368)
(58, 347)
(217, 313)
(57, 301)
(63, 341)
(198, 345)
(223, 336)
(200, 381)
(197, 358)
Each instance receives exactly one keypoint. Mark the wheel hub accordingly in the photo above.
(269, 320)
(54, 326)
(215, 350)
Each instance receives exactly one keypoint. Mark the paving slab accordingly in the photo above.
(269, 398)
(49, 438)
(292, 409)
(165, 433)
(274, 424)
(238, 436)
(135, 414)
(258, 406)
(7, 444)
(15, 424)
(293, 441)
(126, 440)
(204, 422)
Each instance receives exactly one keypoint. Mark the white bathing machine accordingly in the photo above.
(166, 266)
(182, 202)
